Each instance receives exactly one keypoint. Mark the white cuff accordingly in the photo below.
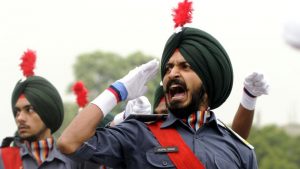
(248, 102)
(106, 101)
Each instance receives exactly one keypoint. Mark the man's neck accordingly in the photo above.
(197, 119)
(40, 149)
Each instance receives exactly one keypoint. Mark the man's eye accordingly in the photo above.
(168, 68)
(186, 66)
(30, 110)
(16, 111)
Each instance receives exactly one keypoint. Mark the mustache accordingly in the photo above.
(22, 126)
(176, 82)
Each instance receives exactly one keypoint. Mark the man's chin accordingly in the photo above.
(176, 105)
(26, 137)
(182, 111)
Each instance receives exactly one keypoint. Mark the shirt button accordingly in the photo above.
(164, 163)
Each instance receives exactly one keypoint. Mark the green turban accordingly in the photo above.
(159, 93)
(45, 99)
(106, 120)
(207, 58)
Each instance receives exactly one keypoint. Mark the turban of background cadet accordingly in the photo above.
(207, 58)
(45, 99)
(159, 94)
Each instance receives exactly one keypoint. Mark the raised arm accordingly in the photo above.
(83, 126)
(254, 86)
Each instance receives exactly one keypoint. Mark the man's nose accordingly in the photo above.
(175, 72)
(21, 116)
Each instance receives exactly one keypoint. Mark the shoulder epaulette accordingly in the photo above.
(235, 134)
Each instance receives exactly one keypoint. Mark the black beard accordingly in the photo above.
(193, 106)
(33, 137)
(29, 139)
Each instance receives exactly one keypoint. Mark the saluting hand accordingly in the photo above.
(254, 85)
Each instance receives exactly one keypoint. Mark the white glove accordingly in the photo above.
(139, 105)
(136, 79)
(129, 87)
(254, 85)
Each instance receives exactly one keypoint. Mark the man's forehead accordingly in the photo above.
(22, 102)
(177, 57)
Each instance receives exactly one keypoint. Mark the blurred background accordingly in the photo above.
(99, 41)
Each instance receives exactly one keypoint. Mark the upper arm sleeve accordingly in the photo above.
(103, 148)
(109, 145)
(252, 161)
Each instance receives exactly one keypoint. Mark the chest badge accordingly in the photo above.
(167, 149)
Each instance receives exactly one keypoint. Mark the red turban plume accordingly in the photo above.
(28, 62)
(183, 13)
(81, 93)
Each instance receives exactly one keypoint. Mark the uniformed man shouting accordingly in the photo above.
(197, 77)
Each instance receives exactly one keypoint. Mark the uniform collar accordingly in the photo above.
(171, 119)
(54, 153)
(211, 121)
(24, 149)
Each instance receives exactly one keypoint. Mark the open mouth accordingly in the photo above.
(176, 92)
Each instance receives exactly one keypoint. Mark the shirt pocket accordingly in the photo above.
(159, 160)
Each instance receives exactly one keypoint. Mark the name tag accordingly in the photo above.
(169, 149)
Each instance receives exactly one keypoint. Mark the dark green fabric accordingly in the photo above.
(45, 99)
(207, 58)
(159, 93)
(107, 119)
